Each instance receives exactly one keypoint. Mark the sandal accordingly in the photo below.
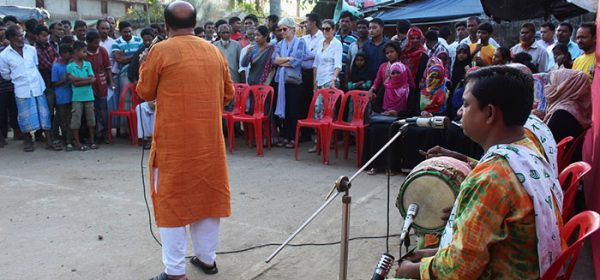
(282, 143)
(81, 148)
(290, 145)
(69, 148)
(312, 150)
(93, 146)
(372, 171)
(205, 267)
(162, 276)
(53, 147)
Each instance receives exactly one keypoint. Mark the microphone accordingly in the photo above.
(383, 267)
(434, 122)
(411, 213)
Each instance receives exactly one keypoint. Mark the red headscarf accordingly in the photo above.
(412, 51)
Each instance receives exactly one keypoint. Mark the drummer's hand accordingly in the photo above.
(417, 255)
(408, 269)
(446, 214)
(438, 151)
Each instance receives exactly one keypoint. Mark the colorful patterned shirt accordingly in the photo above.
(494, 233)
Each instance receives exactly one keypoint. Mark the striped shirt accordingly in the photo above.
(127, 48)
(346, 40)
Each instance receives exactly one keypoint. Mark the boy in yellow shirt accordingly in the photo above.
(483, 52)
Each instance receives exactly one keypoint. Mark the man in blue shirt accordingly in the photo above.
(563, 35)
(347, 38)
(374, 47)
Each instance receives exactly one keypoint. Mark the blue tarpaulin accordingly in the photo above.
(433, 11)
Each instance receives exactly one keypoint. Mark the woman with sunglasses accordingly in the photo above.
(288, 57)
(326, 67)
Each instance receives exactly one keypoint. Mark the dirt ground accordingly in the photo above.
(82, 215)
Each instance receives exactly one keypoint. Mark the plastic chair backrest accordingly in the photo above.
(567, 155)
(239, 96)
(260, 95)
(128, 89)
(569, 180)
(587, 222)
(560, 151)
(360, 100)
(330, 98)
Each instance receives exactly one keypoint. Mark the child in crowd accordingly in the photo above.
(100, 61)
(483, 52)
(359, 77)
(82, 77)
(62, 88)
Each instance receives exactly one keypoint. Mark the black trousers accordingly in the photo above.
(8, 112)
(306, 99)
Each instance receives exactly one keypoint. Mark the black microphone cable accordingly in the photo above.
(387, 236)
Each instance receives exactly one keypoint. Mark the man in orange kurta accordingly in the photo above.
(189, 79)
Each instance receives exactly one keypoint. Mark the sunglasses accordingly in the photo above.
(284, 29)
(326, 29)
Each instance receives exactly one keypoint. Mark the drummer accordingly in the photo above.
(507, 214)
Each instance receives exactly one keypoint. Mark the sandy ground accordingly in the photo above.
(55, 205)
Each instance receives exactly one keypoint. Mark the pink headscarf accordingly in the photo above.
(397, 88)
(569, 90)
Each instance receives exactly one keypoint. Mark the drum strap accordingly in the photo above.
(533, 172)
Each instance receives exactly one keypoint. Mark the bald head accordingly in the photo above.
(180, 15)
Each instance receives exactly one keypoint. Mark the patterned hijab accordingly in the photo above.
(433, 93)
(412, 52)
(569, 90)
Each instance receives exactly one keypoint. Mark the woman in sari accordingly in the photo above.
(259, 58)
(414, 54)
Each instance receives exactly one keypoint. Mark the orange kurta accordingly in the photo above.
(189, 78)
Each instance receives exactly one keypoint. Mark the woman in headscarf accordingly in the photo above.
(459, 71)
(569, 105)
(359, 77)
(434, 93)
(414, 54)
(397, 89)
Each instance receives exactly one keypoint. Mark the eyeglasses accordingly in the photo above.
(284, 29)
(326, 29)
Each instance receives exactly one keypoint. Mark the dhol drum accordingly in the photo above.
(433, 185)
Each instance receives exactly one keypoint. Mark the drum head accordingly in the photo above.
(432, 193)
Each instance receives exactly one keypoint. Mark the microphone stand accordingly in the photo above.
(342, 185)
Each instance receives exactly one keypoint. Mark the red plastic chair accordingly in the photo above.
(239, 104)
(569, 181)
(357, 125)
(260, 94)
(567, 155)
(560, 152)
(330, 99)
(588, 222)
(129, 113)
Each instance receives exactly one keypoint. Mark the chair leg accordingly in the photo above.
(346, 144)
(296, 142)
(133, 128)
(268, 132)
(258, 134)
(334, 136)
(360, 141)
(231, 133)
(319, 140)
(326, 145)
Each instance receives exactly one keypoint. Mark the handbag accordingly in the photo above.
(293, 76)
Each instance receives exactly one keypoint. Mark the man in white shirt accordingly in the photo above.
(18, 63)
(547, 34)
(311, 39)
(529, 45)
(472, 25)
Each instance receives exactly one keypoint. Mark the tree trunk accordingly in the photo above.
(275, 7)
